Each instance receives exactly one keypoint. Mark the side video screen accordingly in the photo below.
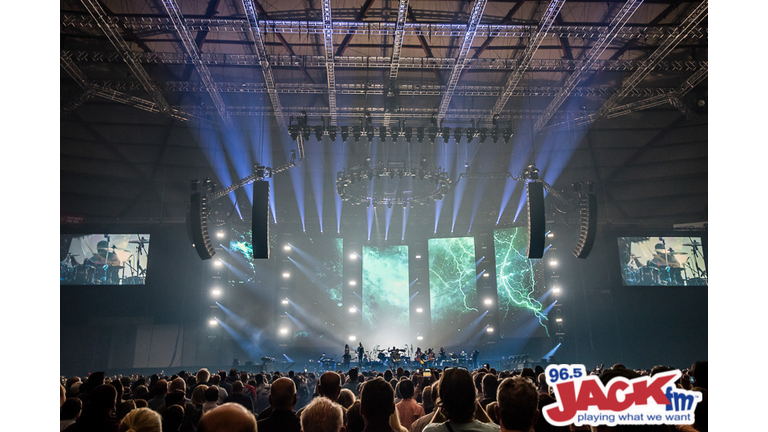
(103, 259)
(662, 261)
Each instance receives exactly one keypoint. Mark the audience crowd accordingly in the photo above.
(449, 400)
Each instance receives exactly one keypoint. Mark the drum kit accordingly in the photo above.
(104, 267)
(667, 267)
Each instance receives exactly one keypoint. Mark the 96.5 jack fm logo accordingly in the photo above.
(583, 399)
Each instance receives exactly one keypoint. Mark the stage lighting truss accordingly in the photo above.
(394, 184)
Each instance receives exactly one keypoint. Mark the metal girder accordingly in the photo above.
(329, 65)
(397, 48)
(679, 34)
(110, 30)
(348, 38)
(378, 28)
(174, 12)
(535, 40)
(474, 20)
(617, 23)
(263, 58)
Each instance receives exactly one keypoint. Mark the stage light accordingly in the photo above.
(287, 247)
(319, 133)
(553, 263)
(286, 275)
(220, 234)
(419, 337)
(344, 133)
(352, 309)
(217, 263)
(352, 283)
(419, 310)
(215, 292)
(213, 322)
(489, 330)
(486, 275)
(408, 133)
(457, 133)
(285, 301)
(418, 257)
(556, 290)
(353, 256)
(283, 331)
(488, 301)
(382, 133)
(353, 338)
(551, 234)
(559, 320)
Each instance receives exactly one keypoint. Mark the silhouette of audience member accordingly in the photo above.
(541, 423)
(346, 398)
(238, 396)
(426, 400)
(518, 405)
(458, 403)
(282, 400)
(141, 420)
(198, 395)
(322, 415)
(70, 411)
(160, 389)
(211, 395)
(354, 421)
(215, 381)
(490, 385)
(97, 412)
(123, 408)
(230, 417)
(435, 416)
(377, 404)
(699, 374)
(352, 383)
(173, 418)
(407, 409)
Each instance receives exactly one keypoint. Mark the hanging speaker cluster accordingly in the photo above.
(260, 220)
(588, 225)
(536, 220)
(197, 221)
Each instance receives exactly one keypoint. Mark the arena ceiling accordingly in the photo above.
(615, 90)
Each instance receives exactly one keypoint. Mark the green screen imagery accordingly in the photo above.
(452, 288)
(385, 288)
(521, 313)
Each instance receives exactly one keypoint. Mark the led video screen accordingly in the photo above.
(662, 261)
(103, 259)
(385, 295)
(452, 283)
(518, 285)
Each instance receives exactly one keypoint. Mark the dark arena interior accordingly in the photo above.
(255, 185)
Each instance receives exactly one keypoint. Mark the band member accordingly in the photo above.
(418, 356)
(475, 353)
(360, 354)
(347, 357)
(395, 356)
(430, 358)
(106, 259)
(443, 356)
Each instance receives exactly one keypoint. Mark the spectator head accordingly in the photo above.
(211, 394)
(406, 389)
(141, 420)
(457, 395)
(103, 399)
(699, 374)
(237, 387)
(202, 376)
(173, 417)
(142, 392)
(355, 421)
(175, 397)
(490, 385)
(229, 417)
(124, 408)
(426, 397)
(352, 374)
(141, 403)
(330, 385)
(198, 394)
(377, 401)
(517, 404)
(322, 415)
(71, 408)
(177, 384)
(62, 395)
(215, 380)
(161, 387)
(282, 394)
(346, 398)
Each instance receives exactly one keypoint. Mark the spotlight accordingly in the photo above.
(419, 337)
(283, 331)
(352, 283)
(507, 134)
(356, 133)
(471, 132)
(353, 256)
(420, 134)
(395, 132)
(556, 290)
(495, 135)
(382, 132)
(287, 247)
(216, 292)
(486, 275)
(217, 263)
(213, 322)
(319, 133)
(488, 301)
(344, 133)
(446, 134)
(457, 135)
(553, 263)
(306, 132)
(286, 275)
(369, 133)
(489, 330)
(408, 134)
(352, 338)
(332, 133)
(419, 310)
(220, 234)
(559, 320)
(483, 134)
(418, 256)
(285, 301)
(352, 309)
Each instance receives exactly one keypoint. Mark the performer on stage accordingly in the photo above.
(418, 356)
(430, 358)
(360, 355)
(475, 353)
(395, 356)
(443, 356)
(347, 357)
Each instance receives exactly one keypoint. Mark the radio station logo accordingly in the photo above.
(583, 399)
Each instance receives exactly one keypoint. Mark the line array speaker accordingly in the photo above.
(536, 220)
(197, 221)
(260, 220)
(588, 223)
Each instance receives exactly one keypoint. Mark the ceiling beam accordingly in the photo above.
(474, 19)
(174, 12)
(533, 44)
(329, 65)
(617, 23)
(348, 38)
(507, 18)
